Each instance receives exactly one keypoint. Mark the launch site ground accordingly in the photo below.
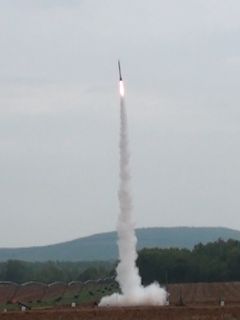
(230, 312)
(192, 301)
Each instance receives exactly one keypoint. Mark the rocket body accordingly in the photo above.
(119, 69)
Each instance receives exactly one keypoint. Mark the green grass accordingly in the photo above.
(86, 295)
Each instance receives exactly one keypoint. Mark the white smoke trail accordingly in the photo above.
(133, 293)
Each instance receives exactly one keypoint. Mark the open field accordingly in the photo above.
(148, 313)
(39, 295)
(204, 293)
(192, 301)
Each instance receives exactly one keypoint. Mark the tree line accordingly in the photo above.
(213, 262)
(50, 271)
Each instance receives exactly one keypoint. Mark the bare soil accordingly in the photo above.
(134, 313)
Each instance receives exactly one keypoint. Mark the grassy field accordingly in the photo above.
(60, 295)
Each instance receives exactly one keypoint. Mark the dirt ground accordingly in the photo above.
(134, 313)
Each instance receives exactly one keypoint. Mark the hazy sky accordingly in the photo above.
(59, 115)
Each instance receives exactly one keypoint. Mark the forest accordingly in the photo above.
(214, 262)
(50, 271)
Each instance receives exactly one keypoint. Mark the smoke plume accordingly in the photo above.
(132, 291)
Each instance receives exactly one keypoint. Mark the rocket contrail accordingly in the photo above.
(127, 272)
(132, 291)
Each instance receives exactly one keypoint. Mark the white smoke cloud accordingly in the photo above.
(152, 295)
(133, 293)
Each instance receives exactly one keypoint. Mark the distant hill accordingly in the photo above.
(103, 246)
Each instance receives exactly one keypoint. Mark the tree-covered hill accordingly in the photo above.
(104, 246)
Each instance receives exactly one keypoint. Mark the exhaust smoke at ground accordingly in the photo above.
(132, 291)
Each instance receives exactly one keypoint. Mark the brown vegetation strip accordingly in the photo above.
(141, 313)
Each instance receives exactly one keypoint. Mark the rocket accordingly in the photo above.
(119, 69)
(121, 85)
